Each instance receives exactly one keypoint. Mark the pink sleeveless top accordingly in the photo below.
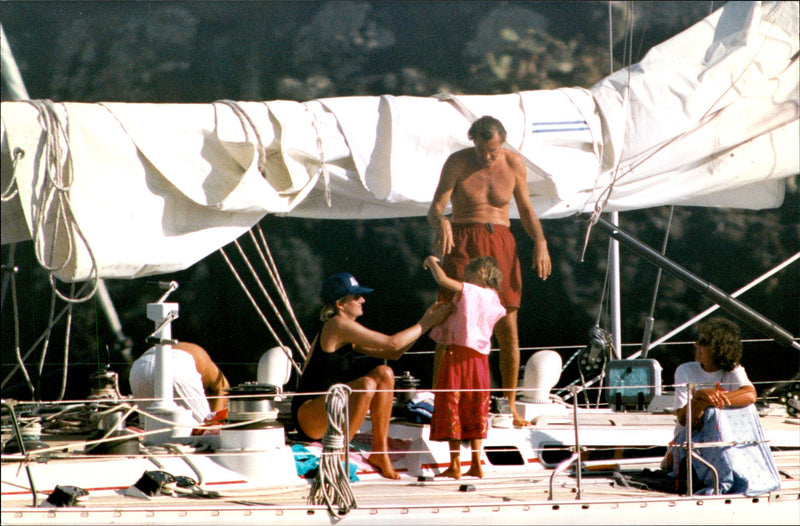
(472, 322)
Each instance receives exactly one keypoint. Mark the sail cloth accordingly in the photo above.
(708, 118)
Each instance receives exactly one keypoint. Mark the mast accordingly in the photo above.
(615, 295)
(613, 246)
(16, 91)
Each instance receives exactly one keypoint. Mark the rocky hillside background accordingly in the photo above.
(206, 51)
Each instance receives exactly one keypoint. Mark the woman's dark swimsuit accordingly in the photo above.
(324, 369)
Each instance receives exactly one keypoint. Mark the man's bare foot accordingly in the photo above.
(475, 471)
(452, 472)
(519, 421)
(382, 463)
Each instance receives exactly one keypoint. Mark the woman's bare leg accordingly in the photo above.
(373, 393)
(379, 383)
(313, 418)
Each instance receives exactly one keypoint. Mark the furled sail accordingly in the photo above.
(707, 118)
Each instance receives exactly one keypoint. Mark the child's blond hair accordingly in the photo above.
(487, 269)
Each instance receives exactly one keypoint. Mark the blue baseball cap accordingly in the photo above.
(340, 285)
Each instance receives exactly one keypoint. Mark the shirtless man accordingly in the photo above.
(215, 384)
(199, 384)
(479, 182)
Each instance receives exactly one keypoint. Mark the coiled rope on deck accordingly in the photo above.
(332, 485)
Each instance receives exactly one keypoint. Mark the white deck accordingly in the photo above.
(510, 493)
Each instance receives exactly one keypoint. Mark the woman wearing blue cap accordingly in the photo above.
(331, 362)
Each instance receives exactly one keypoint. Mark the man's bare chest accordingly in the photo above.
(485, 187)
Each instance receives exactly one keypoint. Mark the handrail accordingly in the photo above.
(575, 457)
(561, 467)
(689, 453)
(710, 466)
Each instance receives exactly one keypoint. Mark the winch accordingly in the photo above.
(253, 402)
(252, 426)
(108, 414)
(407, 385)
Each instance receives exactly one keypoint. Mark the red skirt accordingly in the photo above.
(461, 413)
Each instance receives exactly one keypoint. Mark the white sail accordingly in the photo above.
(709, 118)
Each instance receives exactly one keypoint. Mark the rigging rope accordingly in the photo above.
(276, 282)
(46, 345)
(605, 194)
(41, 337)
(332, 485)
(272, 269)
(648, 326)
(67, 332)
(256, 307)
(17, 353)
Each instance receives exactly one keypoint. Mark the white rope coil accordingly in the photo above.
(332, 485)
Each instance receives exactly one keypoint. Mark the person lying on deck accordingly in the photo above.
(199, 385)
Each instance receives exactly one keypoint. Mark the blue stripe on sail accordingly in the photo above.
(557, 122)
(560, 126)
(582, 128)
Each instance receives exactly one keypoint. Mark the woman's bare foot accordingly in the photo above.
(382, 463)
(475, 471)
(454, 472)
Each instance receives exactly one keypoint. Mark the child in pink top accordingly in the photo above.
(461, 409)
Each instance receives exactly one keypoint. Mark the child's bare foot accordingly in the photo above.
(474, 471)
(452, 472)
(382, 463)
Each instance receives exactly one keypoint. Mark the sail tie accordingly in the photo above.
(326, 176)
(247, 125)
(11, 190)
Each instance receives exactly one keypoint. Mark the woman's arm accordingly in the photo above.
(385, 346)
(704, 398)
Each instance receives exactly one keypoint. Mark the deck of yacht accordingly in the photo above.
(605, 497)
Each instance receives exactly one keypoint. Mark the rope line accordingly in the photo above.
(51, 210)
(254, 303)
(269, 263)
(332, 484)
(267, 296)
